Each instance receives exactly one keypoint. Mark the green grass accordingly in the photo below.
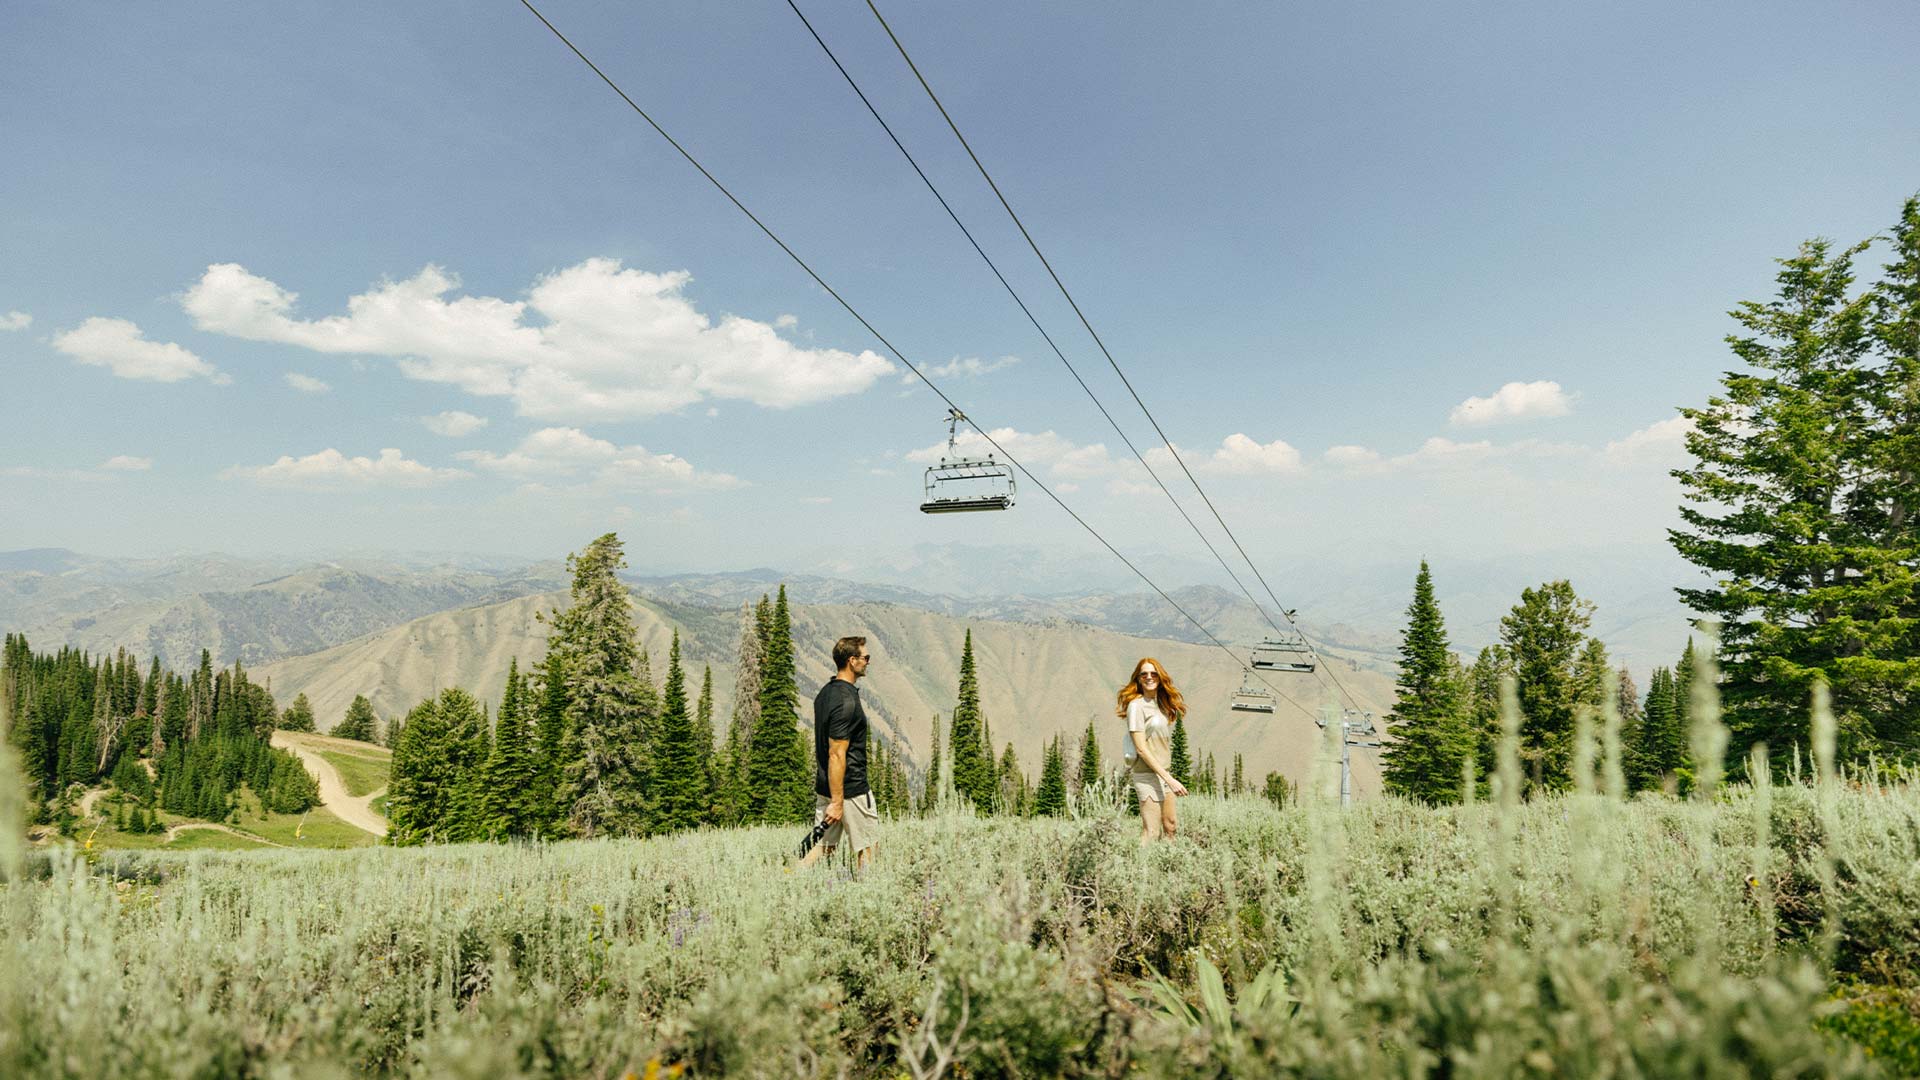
(361, 775)
(379, 806)
(318, 828)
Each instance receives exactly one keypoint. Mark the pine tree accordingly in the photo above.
(1239, 777)
(679, 780)
(429, 783)
(359, 721)
(932, 787)
(801, 770)
(1179, 761)
(1545, 633)
(507, 808)
(549, 747)
(973, 767)
(1793, 505)
(597, 644)
(703, 735)
(1010, 785)
(1431, 721)
(1089, 770)
(299, 715)
(775, 758)
(1632, 717)
(1050, 798)
(731, 793)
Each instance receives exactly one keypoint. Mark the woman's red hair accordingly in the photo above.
(1168, 698)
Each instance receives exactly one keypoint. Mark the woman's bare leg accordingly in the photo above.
(1149, 821)
(1169, 822)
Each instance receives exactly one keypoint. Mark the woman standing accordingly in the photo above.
(1151, 707)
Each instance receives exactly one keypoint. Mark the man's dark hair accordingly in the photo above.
(846, 649)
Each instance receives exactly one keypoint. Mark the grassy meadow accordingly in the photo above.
(1772, 931)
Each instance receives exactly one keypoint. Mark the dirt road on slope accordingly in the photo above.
(357, 812)
(176, 830)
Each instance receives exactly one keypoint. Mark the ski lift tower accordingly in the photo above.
(1356, 729)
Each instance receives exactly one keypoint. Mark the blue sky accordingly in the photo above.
(1399, 279)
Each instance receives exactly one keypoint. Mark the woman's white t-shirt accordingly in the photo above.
(1146, 722)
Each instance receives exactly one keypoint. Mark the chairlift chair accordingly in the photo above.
(1250, 698)
(963, 484)
(1288, 652)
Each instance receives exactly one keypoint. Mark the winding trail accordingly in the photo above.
(176, 830)
(88, 800)
(357, 812)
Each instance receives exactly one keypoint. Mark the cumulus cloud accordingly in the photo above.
(306, 384)
(453, 423)
(1351, 457)
(961, 367)
(1241, 455)
(127, 463)
(15, 320)
(1514, 401)
(331, 470)
(1665, 441)
(119, 346)
(565, 454)
(592, 341)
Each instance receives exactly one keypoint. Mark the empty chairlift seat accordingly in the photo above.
(1287, 652)
(961, 485)
(1250, 698)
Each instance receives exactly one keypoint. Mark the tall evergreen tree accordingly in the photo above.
(680, 789)
(1430, 723)
(1179, 759)
(973, 767)
(506, 804)
(731, 794)
(359, 721)
(1545, 633)
(549, 746)
(1483, 679)
(1050, 798)
(932, 787)
(1239, 785)
(775, 758)
(1088, 771)
(1632, 718)
(703, 735)
(597, 644)
(1010, 786)
(1801, 500)
(1662, 740)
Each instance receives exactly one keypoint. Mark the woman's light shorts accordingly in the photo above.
(1149, 787)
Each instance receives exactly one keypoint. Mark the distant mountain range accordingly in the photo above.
(258, 610)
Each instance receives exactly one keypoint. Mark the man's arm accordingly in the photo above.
(836, 778)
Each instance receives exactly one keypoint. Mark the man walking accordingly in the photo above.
(842, 799)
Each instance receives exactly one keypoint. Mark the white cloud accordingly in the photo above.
(306, 384)
(1240, 455)
(119, 346)
(569, 454)
(1664, 441)
(961, 367)
(127, 463)
(1351, 457)
(453, 423)
(607, 342)
(330, 469)
(1514, 401)
(15, 320)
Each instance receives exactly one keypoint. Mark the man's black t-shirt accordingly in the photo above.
(837, 715)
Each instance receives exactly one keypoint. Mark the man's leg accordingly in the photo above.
(814, 854)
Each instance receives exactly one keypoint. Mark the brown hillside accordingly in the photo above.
(1036, 679)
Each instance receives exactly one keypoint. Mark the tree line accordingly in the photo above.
(185, 744)
(587, 743)
(1802, 509)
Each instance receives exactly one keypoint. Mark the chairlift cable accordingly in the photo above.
(862, 320)
(1084, 321)
(1028, 312)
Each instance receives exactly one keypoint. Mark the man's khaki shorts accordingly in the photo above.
(859, 825)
